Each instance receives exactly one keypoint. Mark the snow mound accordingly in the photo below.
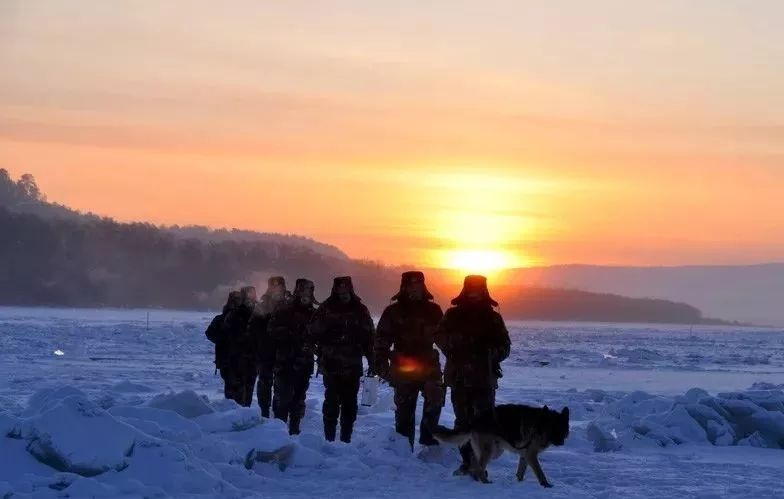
(753, 418)
(74, 435)
(67, 445)
(187, 404)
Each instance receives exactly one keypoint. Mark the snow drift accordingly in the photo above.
(752, 418)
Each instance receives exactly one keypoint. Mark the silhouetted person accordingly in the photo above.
(216, 333)
(475, 341)
(293, 348)
(413, 367)
(242, 348)
(343, 331)
(275, 297)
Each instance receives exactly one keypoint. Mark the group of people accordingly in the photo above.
(271, 342)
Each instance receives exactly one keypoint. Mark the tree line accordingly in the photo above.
(55, 256)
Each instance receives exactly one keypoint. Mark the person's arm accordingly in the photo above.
(442, 333)
(317, 326)
(368, 333)
(502, 344)
(383, 343)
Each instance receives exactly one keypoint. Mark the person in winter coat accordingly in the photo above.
(405, 357)
(216, 334)
(343, 332)
(475, 341)
(241, 348)
(274, 298)
(292, 351)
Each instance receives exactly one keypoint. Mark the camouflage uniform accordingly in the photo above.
(475, 341)
(241, 349)
(408, 325)
(343, 331)
(292, 345)
(216, 334)
(265, 356)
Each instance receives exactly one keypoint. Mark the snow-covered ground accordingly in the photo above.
(95, 403)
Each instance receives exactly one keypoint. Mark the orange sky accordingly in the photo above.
(606, 132)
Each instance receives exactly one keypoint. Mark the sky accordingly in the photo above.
(444, 133)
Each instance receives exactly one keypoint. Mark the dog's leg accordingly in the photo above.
(522, 466)
(532, 456)
(483, 459)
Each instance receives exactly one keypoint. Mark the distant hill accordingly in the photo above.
(748, 293)
(53, 255)
(24, 196)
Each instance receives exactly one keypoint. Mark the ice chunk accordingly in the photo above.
(77, 436)
(158, 422)
(43, 399)
(238, 419)
(603, 439)
(187, 404)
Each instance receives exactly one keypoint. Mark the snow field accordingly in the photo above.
(131, 412)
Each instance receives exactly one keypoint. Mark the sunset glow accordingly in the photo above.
(475, 140)
(477, 261)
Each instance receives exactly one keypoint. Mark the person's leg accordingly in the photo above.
(228, 389)
(297, 408)
(248, 383)
(331, 409)
(284, 391)
(264, 390)
(349, 407)
(463, 418)
(406, 395)
(434, 395)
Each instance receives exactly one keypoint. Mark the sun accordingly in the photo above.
(478, 260)
(488, 262)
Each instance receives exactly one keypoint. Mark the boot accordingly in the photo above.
(467, 454)
(329, 432)
(265, 412)
(345, 433)
(428, 440)
(294, 426)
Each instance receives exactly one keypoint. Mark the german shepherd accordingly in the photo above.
(520, 429)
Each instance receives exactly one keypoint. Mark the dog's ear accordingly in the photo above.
(565, 413)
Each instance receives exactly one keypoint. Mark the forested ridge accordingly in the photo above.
(55, 256)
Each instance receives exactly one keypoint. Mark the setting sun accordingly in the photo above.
(478, 260)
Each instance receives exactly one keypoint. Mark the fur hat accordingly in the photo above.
(474, 283)
(342, 283)
(248, 292)
(302, 285)
(276, 281)
(410, 277)
(234, 301)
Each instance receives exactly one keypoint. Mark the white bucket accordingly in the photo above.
(369, 391)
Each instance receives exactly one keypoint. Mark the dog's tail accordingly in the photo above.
(452, 437)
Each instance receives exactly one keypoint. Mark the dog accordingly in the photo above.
(520, 429)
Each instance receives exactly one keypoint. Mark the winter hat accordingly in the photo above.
(234, 301)
(248, 293)
(303, 287)
(474, 283)
(276, 281)
(342, 283)
(408, 278)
